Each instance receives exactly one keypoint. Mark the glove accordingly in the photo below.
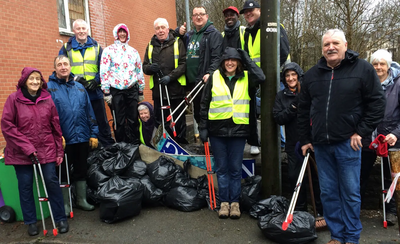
(93, 143)
(33, 157)
(204, 135)
(83, 81)
(154, 68)
(245, 56)
(108, 99)
(141, 96)
(63, 142)
(92, 85)
(165, 80)
(295, 102)
(59, 160)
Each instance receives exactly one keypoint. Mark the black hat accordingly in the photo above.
(249, 4)
(231, 52)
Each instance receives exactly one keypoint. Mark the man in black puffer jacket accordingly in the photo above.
(343, 100)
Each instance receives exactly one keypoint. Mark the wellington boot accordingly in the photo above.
(81, 196)
(223, 212)
(65, 194)
(235, 211)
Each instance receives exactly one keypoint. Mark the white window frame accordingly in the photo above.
(68, 31)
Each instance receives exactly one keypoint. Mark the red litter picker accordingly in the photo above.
(210, 178)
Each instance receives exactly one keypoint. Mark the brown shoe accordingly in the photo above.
(223, 212)
(333, 241)
(235, 210)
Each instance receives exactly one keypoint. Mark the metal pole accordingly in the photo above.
(187, 15)
(270, 133)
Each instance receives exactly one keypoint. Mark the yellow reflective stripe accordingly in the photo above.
(241, 115)
(220, 110)
(141, 132)
(240, 102)
(220, 98)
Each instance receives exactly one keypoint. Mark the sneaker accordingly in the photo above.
(254, 150)
(235, 211)
(33, 229)
(391, 219)
(333, 241)
(223, 212)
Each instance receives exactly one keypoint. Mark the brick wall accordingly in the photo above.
(30, 35)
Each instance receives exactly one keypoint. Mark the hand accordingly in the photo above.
(182, 29)
(165, 80)
(108, 99)
(304, 148)
(204, 135)
(141, 97)
(82, 80)
(205, 77)
(92, 85)
(33, 157)
(390, 139)
(295, 102)
(245, 56)
(355, 142)
(154, 67)
(63, 142)
(59, 160)
(93, 143)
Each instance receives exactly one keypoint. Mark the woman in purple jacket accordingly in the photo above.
(31, 127)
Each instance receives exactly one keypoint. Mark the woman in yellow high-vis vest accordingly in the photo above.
(224, 112)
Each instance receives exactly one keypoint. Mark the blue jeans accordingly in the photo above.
(25, 187)
(339, 169)
(228, 155)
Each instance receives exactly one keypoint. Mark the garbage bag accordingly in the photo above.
(184, 199)
(152, 195)
(120, 199)
(92, 196)
(137, 169)
(250, 192)
(119, 157)
(96, 177)
(301, 230)
(162, 172)
(278, 204)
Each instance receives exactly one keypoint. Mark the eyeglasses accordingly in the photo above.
(198, 15)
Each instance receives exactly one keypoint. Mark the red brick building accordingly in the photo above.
(32, 32)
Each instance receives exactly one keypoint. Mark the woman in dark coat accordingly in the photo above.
(147, 123)
(31, 128)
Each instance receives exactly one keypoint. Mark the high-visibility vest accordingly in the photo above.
(223, 106)
(84, 66)
(182, 79)
(241, 35)
(141, 132)
(255, 48)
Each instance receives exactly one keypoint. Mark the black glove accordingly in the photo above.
(92, 85)
(295, 103)
(83, 81)
(33, 157)
(204, 135)
(165, 80)
(154, 68)
(245, 56)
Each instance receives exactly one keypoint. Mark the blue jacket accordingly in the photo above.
(73, 44)
(77, 119)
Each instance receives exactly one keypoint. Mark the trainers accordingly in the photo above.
(333, 241)
(254, 150)
(223, 212)
(391, 219)
(235, 210)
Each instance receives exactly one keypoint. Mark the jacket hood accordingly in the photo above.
(229, 53)
(25, 73)
(149, 106)
(115, 33)
(292, 66)
(395, 69)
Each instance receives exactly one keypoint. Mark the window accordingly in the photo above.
(70, 10)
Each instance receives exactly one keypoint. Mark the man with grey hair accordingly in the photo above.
(84, 54)
(165, 62)
(341, 97)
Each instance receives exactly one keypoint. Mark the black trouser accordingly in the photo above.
(102, 122)
(180, 125)
(124, 103)
(253, 137)
(368, 159)
(294, 168)
(77, 155)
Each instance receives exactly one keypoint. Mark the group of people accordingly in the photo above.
(335, 109)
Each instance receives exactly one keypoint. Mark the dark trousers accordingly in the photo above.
(25, 187)
(368, 159)
(124, 103)
(253, 137)
(102, 122)
(180, 125)
(77, 155)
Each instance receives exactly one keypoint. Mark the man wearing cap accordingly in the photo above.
(84, 54)
(203, 51)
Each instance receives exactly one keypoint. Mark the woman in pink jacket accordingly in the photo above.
(31, 127)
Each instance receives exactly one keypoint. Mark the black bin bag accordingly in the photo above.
(152, 196)
(96, 177)
(185, 199)
(250, 192)
(120, 199)
(119, 157)
(162, 172)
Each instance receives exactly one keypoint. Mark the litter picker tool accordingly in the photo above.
(384, 192)
(188, 100)
(210, 173)
(68, 185)
(289, 215)
(168, 106)
(36, 162)
(162, 112)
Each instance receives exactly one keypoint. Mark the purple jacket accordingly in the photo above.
(29, 127)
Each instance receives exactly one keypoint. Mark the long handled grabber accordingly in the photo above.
(188, 100)
(170, 112)
(384, 192)
(289, 215)
(68, 185)
(162, 112)
(210, 173)
(36, 162)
